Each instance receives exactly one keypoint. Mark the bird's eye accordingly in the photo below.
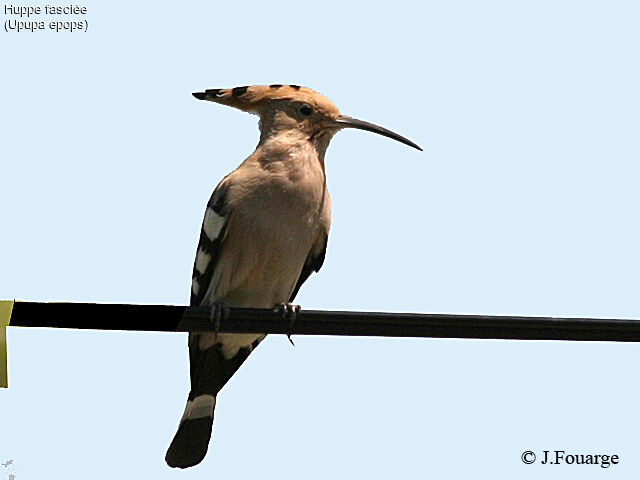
(305, 110)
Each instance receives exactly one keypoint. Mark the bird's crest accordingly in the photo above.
(253, 98)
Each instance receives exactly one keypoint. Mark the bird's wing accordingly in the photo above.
(209, 370)
(313, 263)
(214, 227)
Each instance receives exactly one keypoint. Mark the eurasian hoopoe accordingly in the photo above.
(264, 232)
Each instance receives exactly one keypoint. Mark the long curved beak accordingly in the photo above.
(347, 122)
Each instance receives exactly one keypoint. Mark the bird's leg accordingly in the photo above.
(289, 312)
(219, 311)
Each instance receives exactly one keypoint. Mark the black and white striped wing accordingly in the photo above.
(212, 234)
(208, 369)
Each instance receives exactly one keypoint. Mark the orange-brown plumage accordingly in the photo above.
(254, 98)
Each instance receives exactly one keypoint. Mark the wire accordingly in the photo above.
(165, 318)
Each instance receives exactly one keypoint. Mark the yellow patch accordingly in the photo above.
(6, 307)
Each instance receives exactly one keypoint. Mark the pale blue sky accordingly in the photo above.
(525, 201)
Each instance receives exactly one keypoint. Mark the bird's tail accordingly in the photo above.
(190, 443)
(210, 371)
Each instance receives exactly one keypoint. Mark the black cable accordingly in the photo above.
(319, 322)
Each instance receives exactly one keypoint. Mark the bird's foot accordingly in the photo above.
(219, 311)
(289, 312)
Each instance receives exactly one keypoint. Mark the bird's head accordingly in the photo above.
(290, 107)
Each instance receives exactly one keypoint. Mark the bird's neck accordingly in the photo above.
(292, 148)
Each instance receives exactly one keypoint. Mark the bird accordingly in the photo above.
(264, 232)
